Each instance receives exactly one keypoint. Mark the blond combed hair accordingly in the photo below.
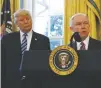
(21, 12)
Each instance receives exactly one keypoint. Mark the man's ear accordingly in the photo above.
(90, 28)
(71, 28)
(17, 24)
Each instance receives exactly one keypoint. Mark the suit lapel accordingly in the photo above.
(33, 41)
(18, 42)
(74, 45)
(90, 46)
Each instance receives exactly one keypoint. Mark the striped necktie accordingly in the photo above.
(82, 46)
(23, 48)
(24, 43)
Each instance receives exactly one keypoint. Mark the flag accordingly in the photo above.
(6, 16)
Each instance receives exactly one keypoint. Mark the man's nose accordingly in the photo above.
(26, 21)
(82, 25)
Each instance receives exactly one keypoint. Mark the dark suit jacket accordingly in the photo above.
(93, 44)
(11, 56)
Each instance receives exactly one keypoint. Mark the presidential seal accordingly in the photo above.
(63, 60)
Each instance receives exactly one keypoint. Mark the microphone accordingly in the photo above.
(77, 38)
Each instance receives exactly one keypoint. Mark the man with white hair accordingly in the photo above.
(15, 44)
(80, 23)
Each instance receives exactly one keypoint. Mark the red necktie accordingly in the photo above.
(82, 46)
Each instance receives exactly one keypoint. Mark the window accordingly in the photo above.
(48, 19)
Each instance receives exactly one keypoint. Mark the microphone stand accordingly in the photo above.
(77, 38)
(71, 41)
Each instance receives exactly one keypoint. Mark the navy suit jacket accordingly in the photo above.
(93, 44)
(11, 56)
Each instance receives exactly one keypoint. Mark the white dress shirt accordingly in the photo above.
(86, 42)
(29, 37)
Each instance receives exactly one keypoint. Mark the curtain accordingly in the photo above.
(14, 5)
(90, 7)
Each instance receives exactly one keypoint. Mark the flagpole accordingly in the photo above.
(5, 12)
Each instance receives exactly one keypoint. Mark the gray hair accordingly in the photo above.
(21, 12)
(78, 14)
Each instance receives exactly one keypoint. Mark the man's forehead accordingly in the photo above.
(80, 18)
(22, 17)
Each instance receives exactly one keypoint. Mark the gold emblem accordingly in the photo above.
(63, 60)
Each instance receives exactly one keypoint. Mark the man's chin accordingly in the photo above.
(83, 37)
(26, 30)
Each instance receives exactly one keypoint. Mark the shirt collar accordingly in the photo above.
(28, 33)
(86, 42)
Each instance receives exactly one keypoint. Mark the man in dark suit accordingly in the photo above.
(12, 51)
(80, 23)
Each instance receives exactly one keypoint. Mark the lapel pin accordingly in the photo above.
(36, 39)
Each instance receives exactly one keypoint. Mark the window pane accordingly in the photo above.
(56, 25)
(48, 19)
(56, 7)
(41, 25)
(41, 7)
(55, 43)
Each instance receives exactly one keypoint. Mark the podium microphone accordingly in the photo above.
(77, 38)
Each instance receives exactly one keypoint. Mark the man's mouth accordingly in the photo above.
(83, 31)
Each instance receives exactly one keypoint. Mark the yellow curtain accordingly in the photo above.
(1, 1)
(15, 5)
(82, 6)
(1, 4)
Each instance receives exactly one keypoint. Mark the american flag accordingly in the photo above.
(6, 16)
